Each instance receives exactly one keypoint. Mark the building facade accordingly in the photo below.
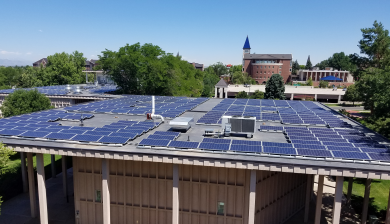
(261, 66)
(316, 74)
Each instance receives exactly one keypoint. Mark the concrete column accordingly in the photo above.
(252, 198)
(366, 201)
(315, 97)
(24, 171)
(337, 200)
(215, 94)
(64, 176)
(31, 183)
(339, 99)
(387, 221)
(106, 191)
(226, 93)
(42, 189)
(53, 166)
(175, 195)
(220, 93)
(320, 189)
(292, 96)
(309, 192)
(349, 193)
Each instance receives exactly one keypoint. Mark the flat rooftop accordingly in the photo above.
(289, 132)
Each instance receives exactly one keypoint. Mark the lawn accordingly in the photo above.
(342, 105)
(379, 195)
(11, 175)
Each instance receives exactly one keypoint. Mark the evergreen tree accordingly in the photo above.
(275, 88)
(352, 94)
(308, 63)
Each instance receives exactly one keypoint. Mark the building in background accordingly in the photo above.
(316, 74)
(261, 66)
(197, 66)
(40, 62)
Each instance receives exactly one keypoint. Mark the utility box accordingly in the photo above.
(240, 125)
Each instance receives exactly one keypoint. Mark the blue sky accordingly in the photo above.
(202, 31)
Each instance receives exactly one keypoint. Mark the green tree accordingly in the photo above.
(322, 65)
(219, 69)
(64, 68)
(274, 88)
(323, 84)
(5, 153)
(309, 82)
(23, 102)
(295, 67)
(257, 95)
(308, 63)
(147, 69)
(209, 81)
(238, 78)
(235, 68)
(302, 67)
(242, 94)
(352, 94)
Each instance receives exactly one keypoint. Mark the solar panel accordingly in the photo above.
(81, 128)
(34, 134)
(62, 136)
(161, 137)
(350, 155)
(277, 150)
(217, 140)
(184, 144)
(154, 142)
(340, 148)
(23, 128)
(246, 148)
(113, 140)
(213, 146)
(167, 133)
(97, 132)
(124, 134)
(376, 150)
(72, 131)
(87, 138)
(313, 147)
(316, 153)
(106, 129)
(246, 142)
(278, 144)
(11, 132)
(380, 156)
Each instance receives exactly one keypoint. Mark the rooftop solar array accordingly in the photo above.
(61, 89)
(119, 132)
(166, 106)
(283, 111)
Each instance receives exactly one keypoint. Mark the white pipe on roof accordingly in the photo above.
(153, 110)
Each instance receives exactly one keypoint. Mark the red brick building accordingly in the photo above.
(261, 66)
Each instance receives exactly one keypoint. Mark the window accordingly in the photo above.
(221, 208)
(246, 51)
(261, 72)
(273, 66)
(257, 66)
(269, 66)
(290, 69)
(261, 66)
(98, 196)
(257, 72)
(280, 72)
(280, 66)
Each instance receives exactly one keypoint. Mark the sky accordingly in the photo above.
(205, 32)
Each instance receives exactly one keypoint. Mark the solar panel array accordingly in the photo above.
(166, 106)
(61, 89)
(119, 132)
(286, 112)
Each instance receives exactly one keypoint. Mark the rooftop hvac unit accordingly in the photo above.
(239, 125)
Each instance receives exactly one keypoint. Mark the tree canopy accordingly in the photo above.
(274, 88)
(339, 61)
(257, 95)
(242, 78)
(147, 69)
(352, 94)
(242, 94)
(295, 67)
(23, 102)
(308, 64)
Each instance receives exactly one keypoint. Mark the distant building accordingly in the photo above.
(197, 66)
(261, 66)
(316, 74)
(40, 62)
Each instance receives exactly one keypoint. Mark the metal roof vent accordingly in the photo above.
(77, 90)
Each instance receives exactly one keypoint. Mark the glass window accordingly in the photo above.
(221, 208)
(280, 66)
(261, 66)
(273, 66)
(257, 66)
(280, 72)
(269, 66)
(98, 196)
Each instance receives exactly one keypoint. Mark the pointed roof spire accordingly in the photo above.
(247, 45)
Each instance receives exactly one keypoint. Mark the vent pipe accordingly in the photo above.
(153, 110)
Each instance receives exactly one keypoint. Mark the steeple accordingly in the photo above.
(247, 45)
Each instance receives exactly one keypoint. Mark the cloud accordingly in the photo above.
(40, 31)
(9, 53)
(28, 53)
